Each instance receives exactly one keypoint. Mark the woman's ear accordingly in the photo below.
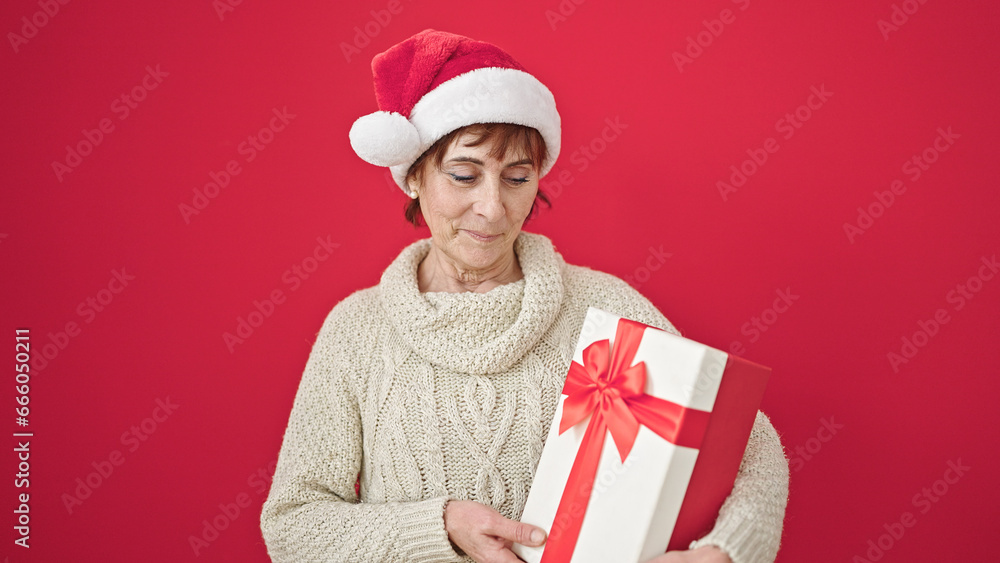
(413, 184)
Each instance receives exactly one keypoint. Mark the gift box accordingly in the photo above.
(644, 447)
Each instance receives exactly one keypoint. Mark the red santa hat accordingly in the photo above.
(436, 82)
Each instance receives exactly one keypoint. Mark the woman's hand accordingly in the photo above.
(484, 534)
(704, 554)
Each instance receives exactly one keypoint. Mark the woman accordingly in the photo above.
(436, 387)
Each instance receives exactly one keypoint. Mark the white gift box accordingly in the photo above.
(661, 494)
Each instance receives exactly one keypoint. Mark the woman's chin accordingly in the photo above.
(481, 257)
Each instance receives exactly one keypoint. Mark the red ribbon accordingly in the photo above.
(611, 390)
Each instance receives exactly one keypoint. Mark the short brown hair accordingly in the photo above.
(505, 137)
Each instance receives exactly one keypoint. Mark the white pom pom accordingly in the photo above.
(385, 139)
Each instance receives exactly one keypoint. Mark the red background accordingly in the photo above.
(652, 187)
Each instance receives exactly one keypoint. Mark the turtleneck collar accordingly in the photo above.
(476, 333)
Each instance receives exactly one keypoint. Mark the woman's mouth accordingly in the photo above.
(482, 237)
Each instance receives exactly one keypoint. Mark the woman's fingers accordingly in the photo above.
(518, 532)
(485, 534)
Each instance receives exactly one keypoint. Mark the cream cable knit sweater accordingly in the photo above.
(437, 396)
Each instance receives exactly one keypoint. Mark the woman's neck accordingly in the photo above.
(437, 272)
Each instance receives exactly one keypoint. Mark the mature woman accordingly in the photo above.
(438, 385)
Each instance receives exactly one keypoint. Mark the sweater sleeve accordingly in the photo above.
(751, 519)
(312, 512)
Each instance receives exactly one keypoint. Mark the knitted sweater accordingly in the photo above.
(436, 396)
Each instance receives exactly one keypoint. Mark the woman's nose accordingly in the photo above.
(489, 203)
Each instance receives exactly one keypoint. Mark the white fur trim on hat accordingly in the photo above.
(385, 139)
(484, 95)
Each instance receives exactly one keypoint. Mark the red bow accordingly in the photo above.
(611, 390)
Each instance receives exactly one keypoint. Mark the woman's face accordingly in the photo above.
(475, 205)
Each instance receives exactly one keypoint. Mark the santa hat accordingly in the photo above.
(436, 82)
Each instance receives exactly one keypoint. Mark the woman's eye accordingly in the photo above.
(463, 179)
(517, 180)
